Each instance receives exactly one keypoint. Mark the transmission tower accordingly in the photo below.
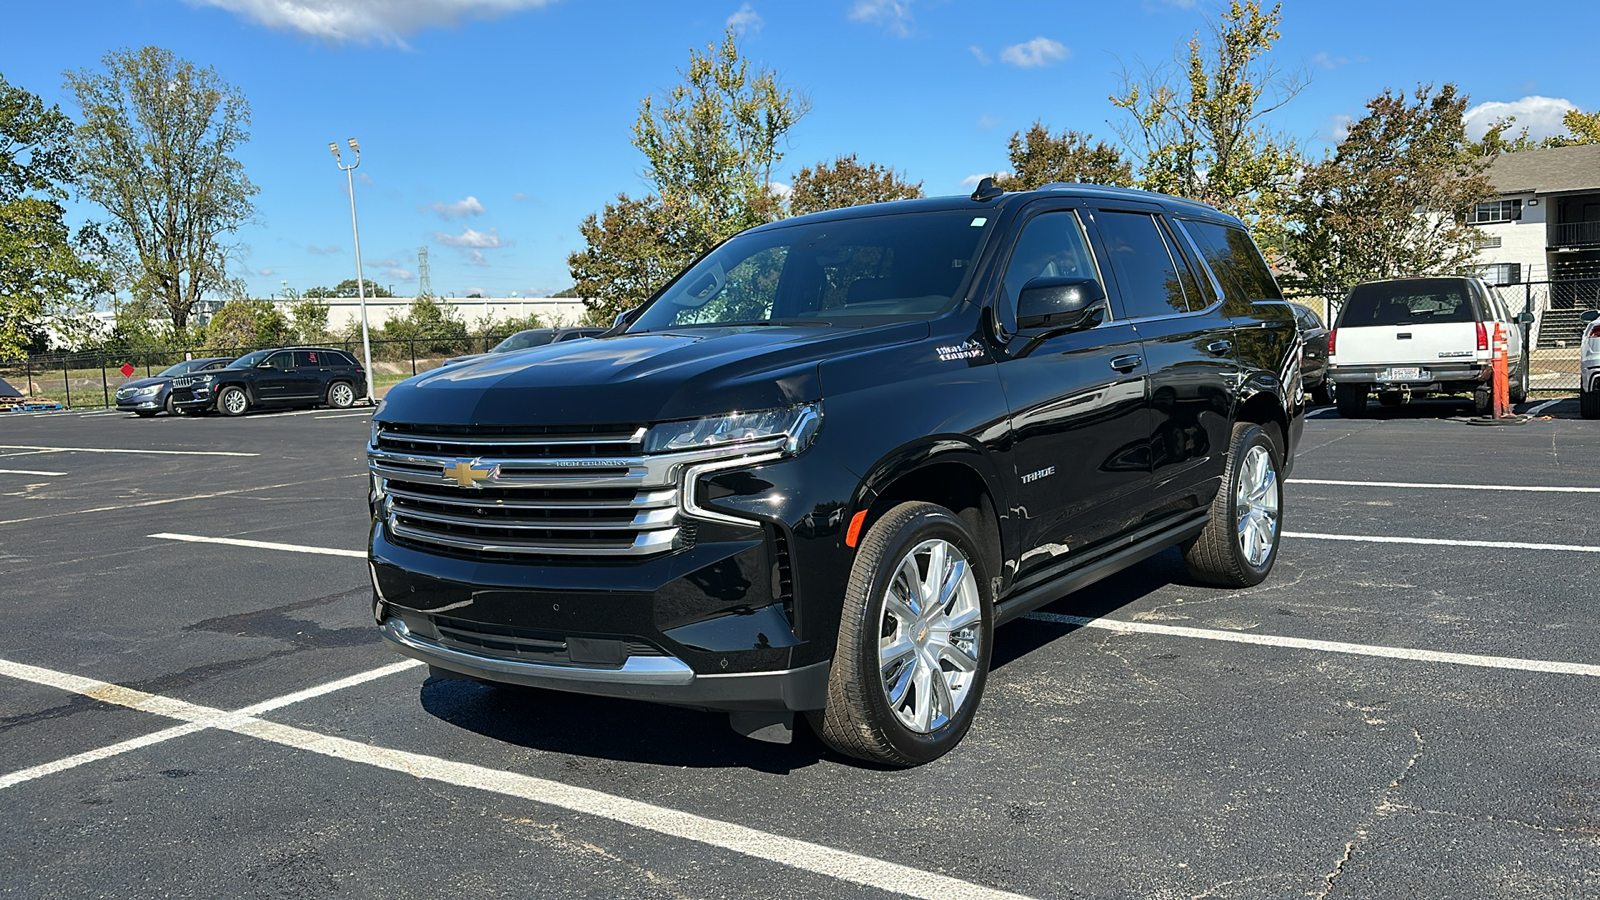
(425, 283)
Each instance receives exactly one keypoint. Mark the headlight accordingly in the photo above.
(798, 425)
(205, 379)
(152, 389)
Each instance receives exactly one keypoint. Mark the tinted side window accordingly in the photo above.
(283, 360)
(1051, 245)
(311, 359)
(1146, 274)
(1234, 257)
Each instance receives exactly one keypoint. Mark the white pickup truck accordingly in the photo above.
(1410, 337)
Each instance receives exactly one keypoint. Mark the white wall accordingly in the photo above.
(550, 310)
(1522, 241)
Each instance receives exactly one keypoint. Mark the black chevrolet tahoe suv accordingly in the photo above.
(282, 376)
(815, 471)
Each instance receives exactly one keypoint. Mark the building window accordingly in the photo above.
(1501, 274)
(1495, 211)
(1486, 241)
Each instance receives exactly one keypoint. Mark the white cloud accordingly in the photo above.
(779, 189)
(1041, 51)
(398, 274)
(265, 272)
(971, 181)
(388, 21)
(978, 54)
(460, 209)
(384, 263)
(519, 196)
(745, 20)
(325, 251)
(476, 290)
(476, 258)
(1329, 62)
(1540, 115)
(987, 122)
(1341, 127)
(471, 238)
(894, 15)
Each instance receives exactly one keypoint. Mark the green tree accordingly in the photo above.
(1039, 158)
(1391, 200)
(846, 182)
(246, 324)
(435, 327)
(157, 149)
(1583, 128)
(710, 145)
(47, 276)
(1198, 127)
(308, 318)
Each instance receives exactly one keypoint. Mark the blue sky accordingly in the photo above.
(490, 128)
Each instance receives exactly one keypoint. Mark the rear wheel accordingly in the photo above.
(1589, 404)
(1240, 541)
(1519, 391)
(1483, 401)
(232, 401)
(914, 640)
(341, 395)
(1322, 394)
(1352, 400)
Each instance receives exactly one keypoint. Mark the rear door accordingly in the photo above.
(314, 370)
(276, 380)
(1410, 325)
(1188, 349)
(1079, 402)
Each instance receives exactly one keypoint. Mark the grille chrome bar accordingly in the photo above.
(658, 499)
(649, 519)
(643, 544)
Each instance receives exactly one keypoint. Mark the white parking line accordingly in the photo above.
(346, 415)
(1269, 640)
(113, 450)
(31, 472)
(1436, 542)
(120, 506)
(804, 855)
(1532, 489)
(263, 545)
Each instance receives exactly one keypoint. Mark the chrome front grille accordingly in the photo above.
(183, 381)
(524, 492)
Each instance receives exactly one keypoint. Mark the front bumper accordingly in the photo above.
(136, 404)
(197, 397)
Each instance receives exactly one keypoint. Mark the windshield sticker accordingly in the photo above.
(965, 350)
(979, 222)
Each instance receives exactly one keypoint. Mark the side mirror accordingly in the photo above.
(1525, 318)
(1060, 303)
(1589, 315)
(624, 317)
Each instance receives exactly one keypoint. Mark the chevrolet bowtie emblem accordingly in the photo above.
(464, 473)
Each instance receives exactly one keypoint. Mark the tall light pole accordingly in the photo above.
(361, 285)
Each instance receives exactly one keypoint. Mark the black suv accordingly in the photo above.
(816, 470)
(282, 376)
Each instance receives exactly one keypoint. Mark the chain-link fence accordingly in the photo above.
(90, 380)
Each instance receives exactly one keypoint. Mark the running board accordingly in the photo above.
(1093, 570)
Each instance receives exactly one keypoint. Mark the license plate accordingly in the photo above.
(1403, 374)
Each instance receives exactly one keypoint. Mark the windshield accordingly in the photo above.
(1414, 301)
(522, 340)
(249, 359)
(863, 271)
(184, 368)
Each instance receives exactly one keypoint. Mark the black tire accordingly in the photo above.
(860, 719)
(1322, 394)
(1352, 400)
(1519, 390)
(1483, 401)
(1389, 398)
(1589, 404)
(229, 405)
(341, 395)
(1218, 555)
(170, 406)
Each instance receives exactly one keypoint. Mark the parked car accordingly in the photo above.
(532, 337)
(1408, 337)
(1314, 362)
(282, 376)
(816, 470)
(145, 397)
(1589, 367)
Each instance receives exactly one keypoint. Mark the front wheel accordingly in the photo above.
(1240, 541)
(914, 640)
(171, 406)
(341, 395)
(232, 402)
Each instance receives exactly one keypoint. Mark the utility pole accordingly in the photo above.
(361, 285)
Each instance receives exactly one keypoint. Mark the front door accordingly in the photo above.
(1078, 401)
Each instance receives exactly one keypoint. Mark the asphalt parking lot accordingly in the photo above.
(1406, 708)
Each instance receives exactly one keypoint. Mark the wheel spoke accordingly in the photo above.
(922, 679)
(897, 653)
(903, 614)
(952, 582)
(913, 581)
(944, 704)
(958, 657)
(938, 559)
(897, 689)
(959, 620)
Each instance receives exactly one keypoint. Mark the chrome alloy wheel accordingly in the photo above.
(342, 396)
(1256, 504)
(235, 402)
(928, 646)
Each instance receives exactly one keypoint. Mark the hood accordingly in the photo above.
(636, 378)
(142, 382)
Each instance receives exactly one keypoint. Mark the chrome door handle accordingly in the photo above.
(1218, 348)
(1126, 363)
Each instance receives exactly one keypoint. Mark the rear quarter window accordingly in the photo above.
(1233, 256)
